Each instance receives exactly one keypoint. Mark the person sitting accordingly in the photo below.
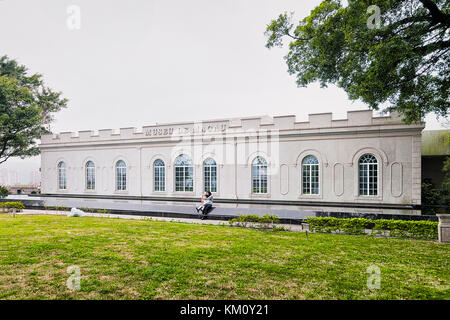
(207, 202)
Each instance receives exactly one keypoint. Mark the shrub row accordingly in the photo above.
(92, 210)
(85, 209)
(408, 229)
(57, 208)
(393, 228)
(8, 206)
(266, 221)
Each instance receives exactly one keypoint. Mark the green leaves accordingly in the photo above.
(394, 228)
(7, 206)
(403, 64)
(266, 221)
(26, 106)
(277, 29)
(3, 192)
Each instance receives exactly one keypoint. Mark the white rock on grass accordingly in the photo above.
(74, 212)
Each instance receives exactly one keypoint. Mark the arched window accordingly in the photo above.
(310, 175)
(259, 175)
(121, 175)
(210, 175)
(62, 180)
(184, 174)
(159, 175)
(368, 175)
(90, 175)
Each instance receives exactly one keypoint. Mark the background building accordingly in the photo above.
(35, 178)
(435, 149)
(361, 159)
(9, 177)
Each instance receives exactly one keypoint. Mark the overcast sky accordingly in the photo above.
(138, 62)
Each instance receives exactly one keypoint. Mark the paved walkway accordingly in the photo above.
(292, 227)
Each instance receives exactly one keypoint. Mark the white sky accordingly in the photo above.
(138, 62)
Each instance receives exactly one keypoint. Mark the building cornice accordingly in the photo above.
(133, 143)
(359, 123)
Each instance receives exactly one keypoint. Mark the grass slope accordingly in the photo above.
(129, 259)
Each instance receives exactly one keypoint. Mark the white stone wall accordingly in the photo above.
(234, 143)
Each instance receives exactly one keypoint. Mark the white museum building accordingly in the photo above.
(360, 159)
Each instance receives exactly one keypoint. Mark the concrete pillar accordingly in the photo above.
(416, 173)
(444, 227)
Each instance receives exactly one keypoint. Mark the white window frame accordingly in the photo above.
(62, 175)
(120, 183)
(90, 172)
(185, 167)
(366, 166)
(310, 166)
(209, 167)
(160, 185)
(259, 178)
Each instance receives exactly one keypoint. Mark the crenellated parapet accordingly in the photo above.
(319, 121)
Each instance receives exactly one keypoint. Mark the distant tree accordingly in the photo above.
(3, 192)
(27, 105)
(438, 195)
(401, 62)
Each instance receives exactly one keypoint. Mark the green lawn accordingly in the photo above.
(132, 259)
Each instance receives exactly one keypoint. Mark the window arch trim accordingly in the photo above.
(310, 176)
(377, 152)
(382, 162)
(260, 181)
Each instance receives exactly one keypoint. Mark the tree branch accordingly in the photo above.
(426, 49)
(437, 15)
(5, 143)
(297, 38)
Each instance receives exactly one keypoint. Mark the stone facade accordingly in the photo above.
(282, 142)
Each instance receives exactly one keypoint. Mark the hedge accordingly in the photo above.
(407, 229)
(330, 224)
(57, 208)
(265, 221)
(8, 206)
(393, 228)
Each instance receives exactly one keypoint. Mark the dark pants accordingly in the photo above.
(206, 208)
